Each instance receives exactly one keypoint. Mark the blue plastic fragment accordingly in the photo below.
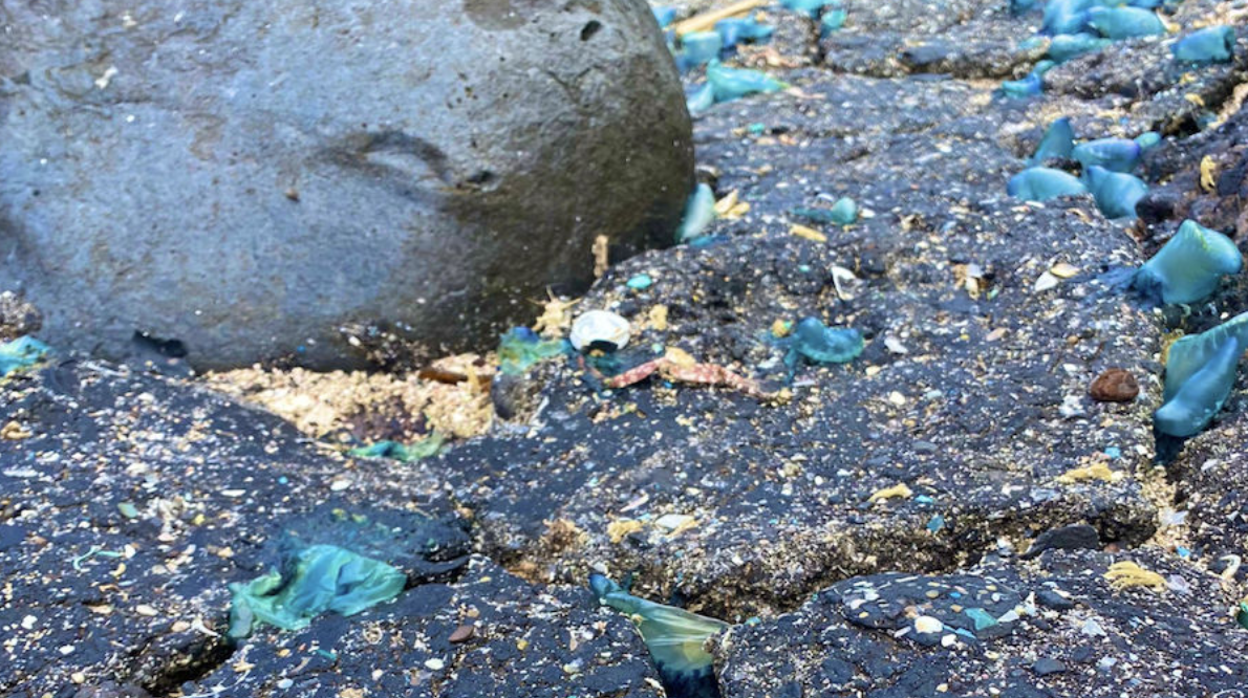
(1065, 16)
(664, 16)
(812, 8)
(700, 48)
(1029, 86)
(1114, 154)
(1208, 45)
(1183, 552)
(1148, 139)
(1057, 143)
(843, 212)
(1116, 193)
(1188, 268)
(701, 100)
(1044, 183)
(1119, 23)
(936, 523)
(732, 83)
(1113, 452)
(817, 343)
(20, 353)
(1200, 372)
(1064, 47)
(832, 20)
(699, 213)
(737, 30)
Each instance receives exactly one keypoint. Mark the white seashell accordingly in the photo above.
(599, 326)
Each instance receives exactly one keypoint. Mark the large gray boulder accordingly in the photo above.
(246, 178)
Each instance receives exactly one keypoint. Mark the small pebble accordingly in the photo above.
(434, 664)
(285, 684)
(1046, 666)
(1114, 385)
(462, 634)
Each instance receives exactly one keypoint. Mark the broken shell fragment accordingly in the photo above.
(599, 329)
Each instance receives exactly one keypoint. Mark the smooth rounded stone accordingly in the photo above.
(1074, 537)
(239, 180)
(1114, 385)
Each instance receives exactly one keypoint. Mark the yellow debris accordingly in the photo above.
(809, 233)
(658, 318)
(707, 20)
(680, 357)
(620, 529)
(1062, 270)
(1195, 99)
(900, 491)
(1208, 169)
(602, 255)
(1096, 471)
(781, 328)
(555, 318)
(1124, 575)
(726, 204)
(14, 431)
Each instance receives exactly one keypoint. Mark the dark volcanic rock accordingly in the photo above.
(239, 180)
(134, 501)
(527, 642)
(1161, 644)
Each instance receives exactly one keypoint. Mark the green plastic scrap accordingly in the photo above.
(732, 83)
(982, 618)
(426, 447)
(20, 353)
(325, 578)
(674, 636)
(520, 348)
(1242, 616)
(843, 212)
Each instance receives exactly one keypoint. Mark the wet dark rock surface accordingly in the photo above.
(905, 486)
(240, 181)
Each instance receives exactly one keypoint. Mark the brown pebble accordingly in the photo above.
(463, 633)
(1115, 385)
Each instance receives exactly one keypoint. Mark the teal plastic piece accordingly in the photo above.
(701, 100)
(843, 212)
(1057, 143)
(640, 282)
(817, 343)
(1119, 23)
(1116, 193)
(699, 212)
(520, 348)
(812, 8)
(20, 353)
(737, 30)
(832, 20)
(1064, 47)
(1202, 394)
(674, 636)
(664, 16)
(425, 448)
(1200, 372)
(1044, 183)
(1029, 86)
(320, 579)
(1065, 16)
(983, 619)
(1114, 154)
(1187, 269)
(1208, 45)
(733, 83)
(700, 48)
(1148, 139)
